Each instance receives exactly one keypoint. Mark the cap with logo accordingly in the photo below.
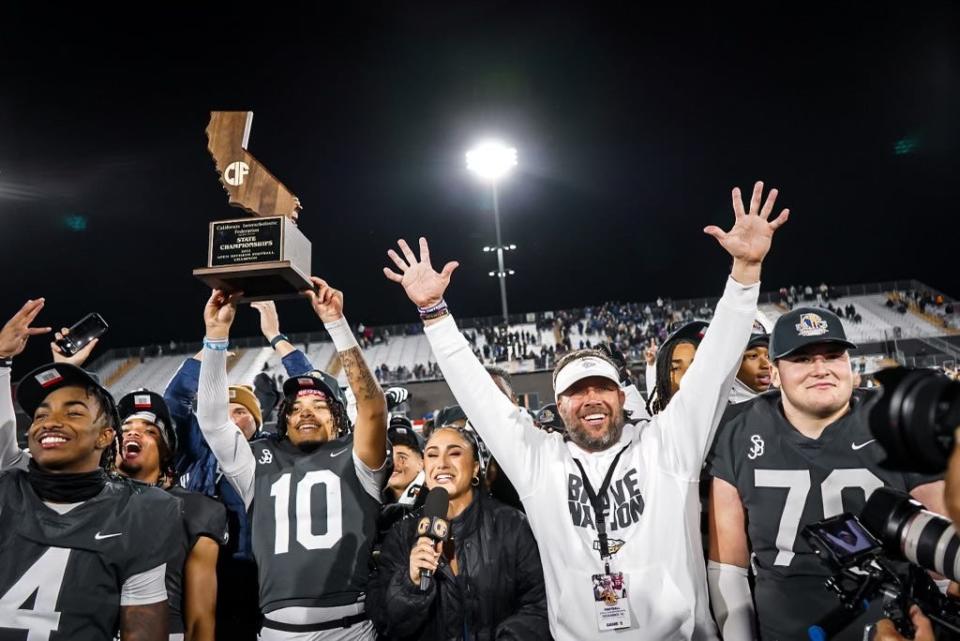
(313, 382)
(548, 418)
(758, 336)
(806, 326)
(243, 394)
(38, 384)
(586, 366)
(400, 432)
(150, 407)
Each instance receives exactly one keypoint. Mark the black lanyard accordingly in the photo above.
(596, 500)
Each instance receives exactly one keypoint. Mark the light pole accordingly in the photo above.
(491, 161)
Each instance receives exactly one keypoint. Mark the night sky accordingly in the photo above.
(631, 128)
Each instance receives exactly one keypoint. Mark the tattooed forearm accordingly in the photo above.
(144, 622)
(365, 387)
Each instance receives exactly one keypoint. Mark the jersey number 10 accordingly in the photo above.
(332, 520)
(797, 483)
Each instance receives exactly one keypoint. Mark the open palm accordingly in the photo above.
(424, 285)
(749, 238)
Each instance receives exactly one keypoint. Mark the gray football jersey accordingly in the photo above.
(788, 481)
(313, 525)
(61, 575)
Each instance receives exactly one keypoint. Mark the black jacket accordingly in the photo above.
(498, 594)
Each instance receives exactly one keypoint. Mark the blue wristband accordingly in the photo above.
(216, 344)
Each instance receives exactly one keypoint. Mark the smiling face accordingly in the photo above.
(141, 450)
(755, 369)
(407, 463)
(592, 411)
(816, 381)
(449, 463)
(70, 431)
(310, 420)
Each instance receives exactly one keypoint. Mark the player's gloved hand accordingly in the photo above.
(621, 361)
(885, 630)
(396, 396)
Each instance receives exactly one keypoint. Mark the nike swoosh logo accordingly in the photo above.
(339, 453)
(862, 445)
(100, 537)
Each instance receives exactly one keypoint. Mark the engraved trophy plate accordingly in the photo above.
(265, 256)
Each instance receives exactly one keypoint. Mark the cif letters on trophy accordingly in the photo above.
(264, 255)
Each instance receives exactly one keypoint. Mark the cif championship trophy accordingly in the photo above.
(264, 255)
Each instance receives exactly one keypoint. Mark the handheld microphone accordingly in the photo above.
(433, 524)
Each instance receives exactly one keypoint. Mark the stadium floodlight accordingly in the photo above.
(491, 161)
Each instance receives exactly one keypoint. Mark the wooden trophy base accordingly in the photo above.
(258, 281)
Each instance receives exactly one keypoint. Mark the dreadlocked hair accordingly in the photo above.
(341, 421)
(662, 392)
(108, 459)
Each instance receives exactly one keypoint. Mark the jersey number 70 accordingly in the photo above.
(797, 483)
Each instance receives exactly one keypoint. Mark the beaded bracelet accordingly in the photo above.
(434, 311)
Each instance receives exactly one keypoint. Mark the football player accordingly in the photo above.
(148, 448)
(314, 492)
(789, 458)
(82, 556)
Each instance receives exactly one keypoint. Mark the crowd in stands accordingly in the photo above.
(175, 515)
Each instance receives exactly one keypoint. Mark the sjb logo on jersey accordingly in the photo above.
(811, 325)
(757, 448)
(266, 456)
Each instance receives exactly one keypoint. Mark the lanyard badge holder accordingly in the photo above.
(610, 588)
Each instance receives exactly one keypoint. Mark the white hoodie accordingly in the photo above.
(654, 502)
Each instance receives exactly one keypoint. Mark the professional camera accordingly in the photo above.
(915, 417)
(868, 555)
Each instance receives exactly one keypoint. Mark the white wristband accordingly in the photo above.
(343, 338)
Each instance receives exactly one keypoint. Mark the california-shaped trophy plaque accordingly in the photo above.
(265, 255)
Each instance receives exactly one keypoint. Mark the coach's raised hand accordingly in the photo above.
(219, 312)
(424, 285)
(749, 240)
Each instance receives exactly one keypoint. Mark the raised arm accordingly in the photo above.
(224, 438)
(294, 360)
(13, 340)
(506, 429)
(689, 420)
(370, 429)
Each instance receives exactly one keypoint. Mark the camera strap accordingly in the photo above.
(596, 501)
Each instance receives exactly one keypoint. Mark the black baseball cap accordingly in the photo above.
(314, 380)
(449, 415)
(691, 330)
(548, 418)
(806, 326)
(150, 407)
(38, 384)
(400, 432)
(758, 336)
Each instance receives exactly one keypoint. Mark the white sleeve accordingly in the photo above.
(145, 588)
(731, 601)
(10, 454)
(633, 402)
(371, 480)
(222, 435)
(507, 430)
(688, 422)
(650, 377)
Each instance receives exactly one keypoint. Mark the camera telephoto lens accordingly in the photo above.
(915, 417)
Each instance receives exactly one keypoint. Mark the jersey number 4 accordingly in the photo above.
(44, 579)
(332, 520)
(797, 483)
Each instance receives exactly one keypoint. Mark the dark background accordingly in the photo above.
(632, 125)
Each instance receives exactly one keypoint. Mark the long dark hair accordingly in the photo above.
(662, 389)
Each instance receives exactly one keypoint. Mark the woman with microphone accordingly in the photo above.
(483, 582)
